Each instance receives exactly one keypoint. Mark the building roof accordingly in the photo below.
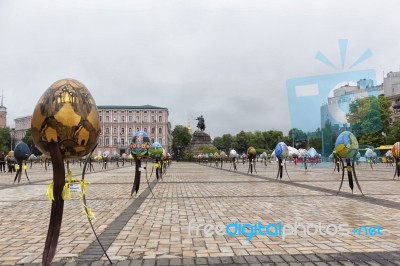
(129, 107)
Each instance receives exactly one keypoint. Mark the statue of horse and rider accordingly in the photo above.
(201, 125)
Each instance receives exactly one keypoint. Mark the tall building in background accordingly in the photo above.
(22, 124)
(119, 123)
(391, 86)
(3, 113)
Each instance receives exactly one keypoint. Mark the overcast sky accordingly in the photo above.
(226, 60)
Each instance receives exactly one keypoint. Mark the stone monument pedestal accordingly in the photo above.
(200, 139)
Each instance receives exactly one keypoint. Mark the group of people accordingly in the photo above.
(9, 160)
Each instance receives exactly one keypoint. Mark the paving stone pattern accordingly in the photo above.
(152, 229)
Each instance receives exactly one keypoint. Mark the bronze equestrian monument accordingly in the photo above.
(200, 138)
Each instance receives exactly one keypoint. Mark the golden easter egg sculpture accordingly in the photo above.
(66, 114)
(65, 125)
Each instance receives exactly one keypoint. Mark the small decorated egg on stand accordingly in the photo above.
(140, 147)
(251, 154)
(281, 152)
(396, 156)
(157, 152)
(346, 147)
(21, 154)
(233, 156)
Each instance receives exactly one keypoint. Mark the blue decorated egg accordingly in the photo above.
(21, 152)
(281, 150)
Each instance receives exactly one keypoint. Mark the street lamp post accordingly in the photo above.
(12, 135)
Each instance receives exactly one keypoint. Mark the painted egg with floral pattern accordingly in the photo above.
(140, 144)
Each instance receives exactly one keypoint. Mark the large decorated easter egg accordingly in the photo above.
(22, 152)
(251, 152)
(67, 115)
(233, 154)
(140, 144)
(396, 150)
(346, 145)
(156, 150)
(369, 153)
(281, 150)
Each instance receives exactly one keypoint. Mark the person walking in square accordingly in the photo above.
(2, 162)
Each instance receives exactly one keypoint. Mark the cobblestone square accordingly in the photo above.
(179, 224)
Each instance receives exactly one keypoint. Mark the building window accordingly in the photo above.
(130, 118)
(137, 119)
(100, 118)
(107, 130)
(130, 131)
(114, 141)
(107, 118)
(160, 118)
(160, 130)
(100, 141)
(137, 129)
(145, 129)
(107, 141)
(114, 130)
(160, 141)
(122, 130)
(122, 141)
(153, 130)
(123, 118)
(153, 119)
(145, 118)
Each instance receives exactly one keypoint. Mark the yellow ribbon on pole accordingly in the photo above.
(49, 192)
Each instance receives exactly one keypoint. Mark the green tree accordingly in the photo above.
(394, 133)
(255, 139)
(369, 118)
(207, 150)
(180, 139)
(241, 142)
(314, 140)
(28, 139)
(5, 138)
(298, 139)
(272, 137)
(218, 142)
(227, 142)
